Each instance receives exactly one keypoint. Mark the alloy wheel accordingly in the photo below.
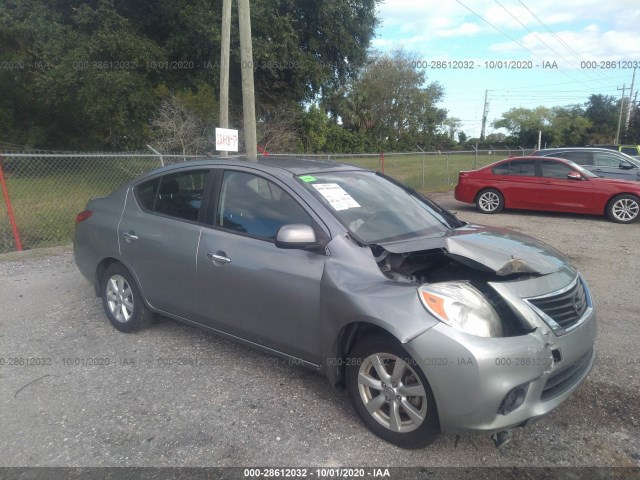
(392, 392)
(120, 298)
(489, 201)
(625, 209)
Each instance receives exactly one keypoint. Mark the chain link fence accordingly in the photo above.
(47, 190)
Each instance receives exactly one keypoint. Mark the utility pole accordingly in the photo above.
(633, 80)
(224, 66)
(620, 116)
(248, 99)
(485, 113)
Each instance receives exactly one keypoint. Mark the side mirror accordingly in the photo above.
(574, 176)
(296, 236)
(626, 165)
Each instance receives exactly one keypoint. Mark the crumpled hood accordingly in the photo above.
(500, 250)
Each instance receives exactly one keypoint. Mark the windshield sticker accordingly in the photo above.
(308, 178)
(336, 196)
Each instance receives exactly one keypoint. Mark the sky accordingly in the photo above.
(575, 34)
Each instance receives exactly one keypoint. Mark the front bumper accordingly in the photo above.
(470, 376)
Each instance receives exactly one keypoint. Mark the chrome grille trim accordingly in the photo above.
(565, 309)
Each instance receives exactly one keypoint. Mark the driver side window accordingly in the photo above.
(255, 206)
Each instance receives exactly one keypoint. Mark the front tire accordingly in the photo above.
(122, 300)
(623, 209)
(391, 394)
(489, 201)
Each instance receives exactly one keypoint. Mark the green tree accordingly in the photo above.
(391, 106)
(569, 126)
(632, 133)
(92, 68)
(524, 124)
(602, 112)
(314, 129)
(82, 88)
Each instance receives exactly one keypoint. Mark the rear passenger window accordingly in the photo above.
(501, 169)
(177, 195)
(525, 168)
(146, 193)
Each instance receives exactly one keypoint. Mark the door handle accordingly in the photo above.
(129, 236)
(218, 257)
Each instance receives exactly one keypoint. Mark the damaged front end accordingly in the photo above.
(461, 276)
(511, 301)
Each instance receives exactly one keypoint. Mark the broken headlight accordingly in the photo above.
(461, 306)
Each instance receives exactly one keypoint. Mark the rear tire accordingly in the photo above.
(623, 209)
(391, 394)
(122, 301)
(489, 201)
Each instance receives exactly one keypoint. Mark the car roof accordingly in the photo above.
(578, 149)
(278, 165)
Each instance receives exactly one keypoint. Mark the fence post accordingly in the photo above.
(157, 153)
(12, 218)
(448, 179)
(382, 161)
(423, 157)
(475, 161)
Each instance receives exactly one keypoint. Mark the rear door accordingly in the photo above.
(158, 236)
(519, 184)
(559, 192)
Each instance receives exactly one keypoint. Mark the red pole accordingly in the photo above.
(7, 200)
(382, 160)
(263, 151)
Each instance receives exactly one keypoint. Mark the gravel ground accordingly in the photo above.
(238, 407)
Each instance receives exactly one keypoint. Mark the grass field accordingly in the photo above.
(46, 199)
(47, 192)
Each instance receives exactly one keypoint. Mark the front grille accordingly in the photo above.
(561, 381)
(566, 307)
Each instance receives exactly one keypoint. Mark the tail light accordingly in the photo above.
(82, 216)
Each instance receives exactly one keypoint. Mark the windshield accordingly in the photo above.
(374, 209)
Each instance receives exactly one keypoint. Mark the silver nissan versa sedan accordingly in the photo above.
(430, 323)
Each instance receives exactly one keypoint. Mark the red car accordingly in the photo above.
(550, 184)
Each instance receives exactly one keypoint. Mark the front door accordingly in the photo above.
(558, 191)
(246, 285)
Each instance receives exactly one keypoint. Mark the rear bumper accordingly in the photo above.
(463, 193)
(470, 376)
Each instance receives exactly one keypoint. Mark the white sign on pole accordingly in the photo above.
(226, 140)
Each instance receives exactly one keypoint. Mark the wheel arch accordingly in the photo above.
(106, 263)
(100, 269)
(615, 195)
(347, 337)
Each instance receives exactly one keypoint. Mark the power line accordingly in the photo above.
(536, 35)
(557, 37)
(511, 38)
